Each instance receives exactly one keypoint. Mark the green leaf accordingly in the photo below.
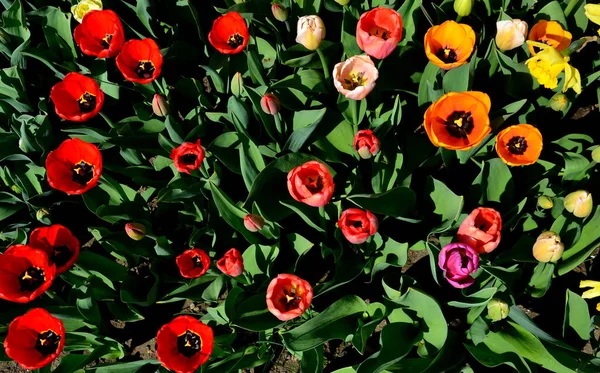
(232, 214)
(479, 298)
(120, 367)
(252, 314)
(312, 360)
(393, 348)
(586, 244)
(541, 279)
(304, 81)
(577, 316)
(552, 11)
(490, 359)
(499, 182)
(255, 66)
(429, 80)
(342, 137)
(399, 202)
(337, 322)
(447, 204)
(251, 161)
(305, 122)
(141, 10)
(457, 80)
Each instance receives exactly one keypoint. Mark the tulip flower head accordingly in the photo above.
(311, 31)
(229, 33)
(184, 344)
(550, 33)
(358, 225)
(463, 7)
(379, 31)
(481, 230)
(497, 309)
(254, 222)
(596, 154)
(450, 44)
(269, 103)
(84, 7)
(519, 145)
(232, 263)
(355, 78)
(311, 183)
(279, 12)
(366, 144)
(548, 248)
(160, 105)
(510, 34)
(135, 231)
(288, 296)
(579, 203)
(459, 261)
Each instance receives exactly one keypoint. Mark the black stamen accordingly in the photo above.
(145, 69)
(517, 145)
(188, 158)
(87, 102)
(31, 279)
(60, 255)
(197, 262)
(447, 55)
(314, 185)
(235, 40)
(106, 41)
(189, 344)
(47, 342)
(83, 172)
(459, 124)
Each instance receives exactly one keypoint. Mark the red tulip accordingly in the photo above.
(232, 263)
(25, 273)
(358, 225)
(193, 263)
(140, 61)
(188, 156)
(135, 231)
(35, 339)
(229, 33)
(366, 144)
(74, 167)
(288, 296)
(379, 31)
(270, 104)
(100, 34)
(311, 183)
(59, 243)
(184, 344)
(254, 222)
(481, 230)
(77, 98)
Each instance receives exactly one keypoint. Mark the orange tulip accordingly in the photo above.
(551, 33)
(450, 44)
(458, 121)
(519, 145)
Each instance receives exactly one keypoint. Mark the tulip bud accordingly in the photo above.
(237, 84)
(497, 309)
(548, 248)
(270, 104)
(253, 222)
(463, 7)
(510, 34)
(342, 2)
(596, 154)
(279, 12)
(579, 203)
(135, 231)
(311, 31)
(545, 202)
(84, 7)
(42, 215)
(559, 102)
(160, 105)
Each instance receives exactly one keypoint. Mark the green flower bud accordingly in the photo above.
(463, 7)
(548, 248)
(559, 102)
(279, 12)
(237, 84)
(497, 309)
(545, 202)
(135, 231)
(596, 154)
(579, 203)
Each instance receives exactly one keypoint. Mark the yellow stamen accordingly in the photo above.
(458, 122)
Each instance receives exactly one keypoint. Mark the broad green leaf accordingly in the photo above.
(577, 316)
(399, 203)
(393, 348)
(586, 244)
(231, 213)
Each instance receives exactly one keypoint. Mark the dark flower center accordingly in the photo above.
(356, 223)
(290, 299)
(197, 261)
(538, 49)
(464, 261)
(188, 158)
(381, 32)
(459, 124)
(235, 40)
(106, 41)
(314, 184)
(447, 55)
(87, 102)
(355, 80)
(31, 279)
(60, 255)
(83, 172)
(189, 344)
(145, 69)
(47, 342)
(517, 145)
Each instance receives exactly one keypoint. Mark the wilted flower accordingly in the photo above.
(497, 309)
(545, 202)
(596, 154)
(288, 296)
(450, 44)
(355, 78)
(84, 7)
(592, 11)
(270, 104)
(279, 12)
(311, 31)
(559, 102)
(550, 33)
(510, 34)
(135, 231)
(592, 293)
(459, 261)
(579, 203)
(366, 144)
(379, 31)
(463, 7)
(253, 222)
(548, 247)
(519, 145)
(160, 105)
(481, 230)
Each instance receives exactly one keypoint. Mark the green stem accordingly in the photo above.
(572, 4)
(322, 218)
(326, 72)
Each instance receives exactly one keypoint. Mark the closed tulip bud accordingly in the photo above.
(42, 215)
(253, 222)
(463, 7)
(84, 7)
(135, 231)
(342, 2)
(270, 104)
(279, 12)
(545, 202)
(579, 203)
(596, 154)
(559, 102)
(311, 31)
(497, 309)
(160, 105)
(510, 34)
(548, 248)
(237, 84)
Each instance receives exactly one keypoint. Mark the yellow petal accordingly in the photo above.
(598, 307)
(589, 284)
(592, 11)
(572, 79)
(592, 293)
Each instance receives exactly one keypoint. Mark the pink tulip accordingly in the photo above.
(355, 78)
(379, 31)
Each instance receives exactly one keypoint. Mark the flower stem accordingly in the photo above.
(324, 63)
(323, 219)
(572, 4)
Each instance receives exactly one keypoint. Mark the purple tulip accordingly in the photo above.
(458, 261)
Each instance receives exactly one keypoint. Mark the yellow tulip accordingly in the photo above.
(84, 7)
